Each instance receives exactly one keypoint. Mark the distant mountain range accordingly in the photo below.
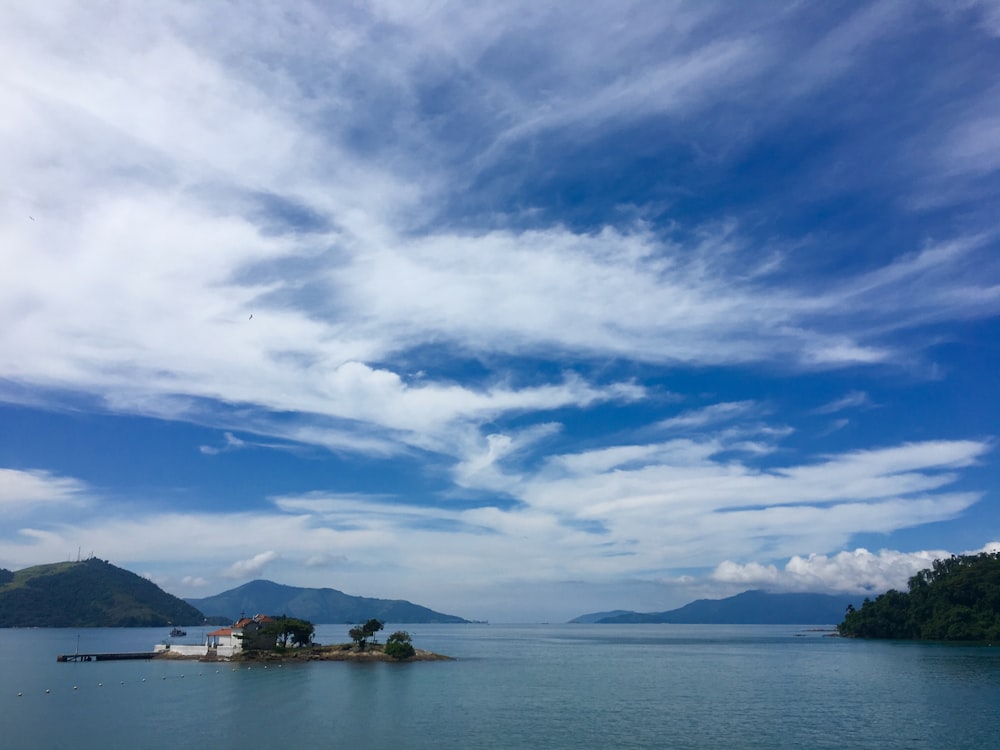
(748, 608)
(315, 605)
(89, 593)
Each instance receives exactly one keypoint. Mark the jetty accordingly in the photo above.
(106, 657)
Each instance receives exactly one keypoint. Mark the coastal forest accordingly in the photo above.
(956, 599)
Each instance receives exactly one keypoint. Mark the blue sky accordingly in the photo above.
(517, 311)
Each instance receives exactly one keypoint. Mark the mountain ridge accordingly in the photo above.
(753, 607)
(319, 605)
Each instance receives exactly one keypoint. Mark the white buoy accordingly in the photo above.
(47, 691)
(100, 684)
(19, 695)
(75, 687)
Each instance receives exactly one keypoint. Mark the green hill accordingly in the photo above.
(90, 593)
(957, 599)
(316, 605)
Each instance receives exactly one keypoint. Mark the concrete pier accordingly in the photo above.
(105, 657)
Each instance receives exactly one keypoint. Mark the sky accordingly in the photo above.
(514, 310)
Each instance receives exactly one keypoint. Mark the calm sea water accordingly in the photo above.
(540, 686)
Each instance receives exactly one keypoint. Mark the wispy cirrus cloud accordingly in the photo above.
(714, 414)
(455, 233)
(24, 491)
(232, 443)
(173, 316)
(852, 400)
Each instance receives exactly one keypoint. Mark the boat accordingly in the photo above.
(177, 633)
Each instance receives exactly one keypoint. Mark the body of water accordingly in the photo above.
(538, 686)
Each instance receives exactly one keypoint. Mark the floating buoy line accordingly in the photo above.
(100, 684)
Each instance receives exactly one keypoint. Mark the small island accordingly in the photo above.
(957, 599)
(268, 639)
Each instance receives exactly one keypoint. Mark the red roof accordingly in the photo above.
(222, 631)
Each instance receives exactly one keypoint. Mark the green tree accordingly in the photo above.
(371, 628)
(398, 645)
(359, 636)
(299, 632)
(361, 633)
(281, 631)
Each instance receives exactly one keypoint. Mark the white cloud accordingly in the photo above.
(178, 180)
(854, 572)
(624, 514)
(324, 561)
(851, 400)
(151, 247)
(232, 443)
(253, 566)
(606, 514)
(24, 491)
(483, 459)
(709, 415)
(973, 146)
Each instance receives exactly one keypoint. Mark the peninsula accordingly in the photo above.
(956, 599)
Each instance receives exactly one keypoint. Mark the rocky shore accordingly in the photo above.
(336, 652)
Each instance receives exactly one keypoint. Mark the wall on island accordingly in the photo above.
(181, 650)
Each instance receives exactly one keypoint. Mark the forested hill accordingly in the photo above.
(89, 593)
(316, 605)
(957, 599)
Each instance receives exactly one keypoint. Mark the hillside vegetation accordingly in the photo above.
(89, 593)
(957, 599)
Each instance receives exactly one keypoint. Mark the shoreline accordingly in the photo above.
(335, 652)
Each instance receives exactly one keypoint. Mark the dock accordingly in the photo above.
(106, 657)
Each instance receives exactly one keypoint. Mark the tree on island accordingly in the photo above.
(357, 634)
(289, 629)
(361, 633)
(956, 599)
(269, 634)
(398, 645)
